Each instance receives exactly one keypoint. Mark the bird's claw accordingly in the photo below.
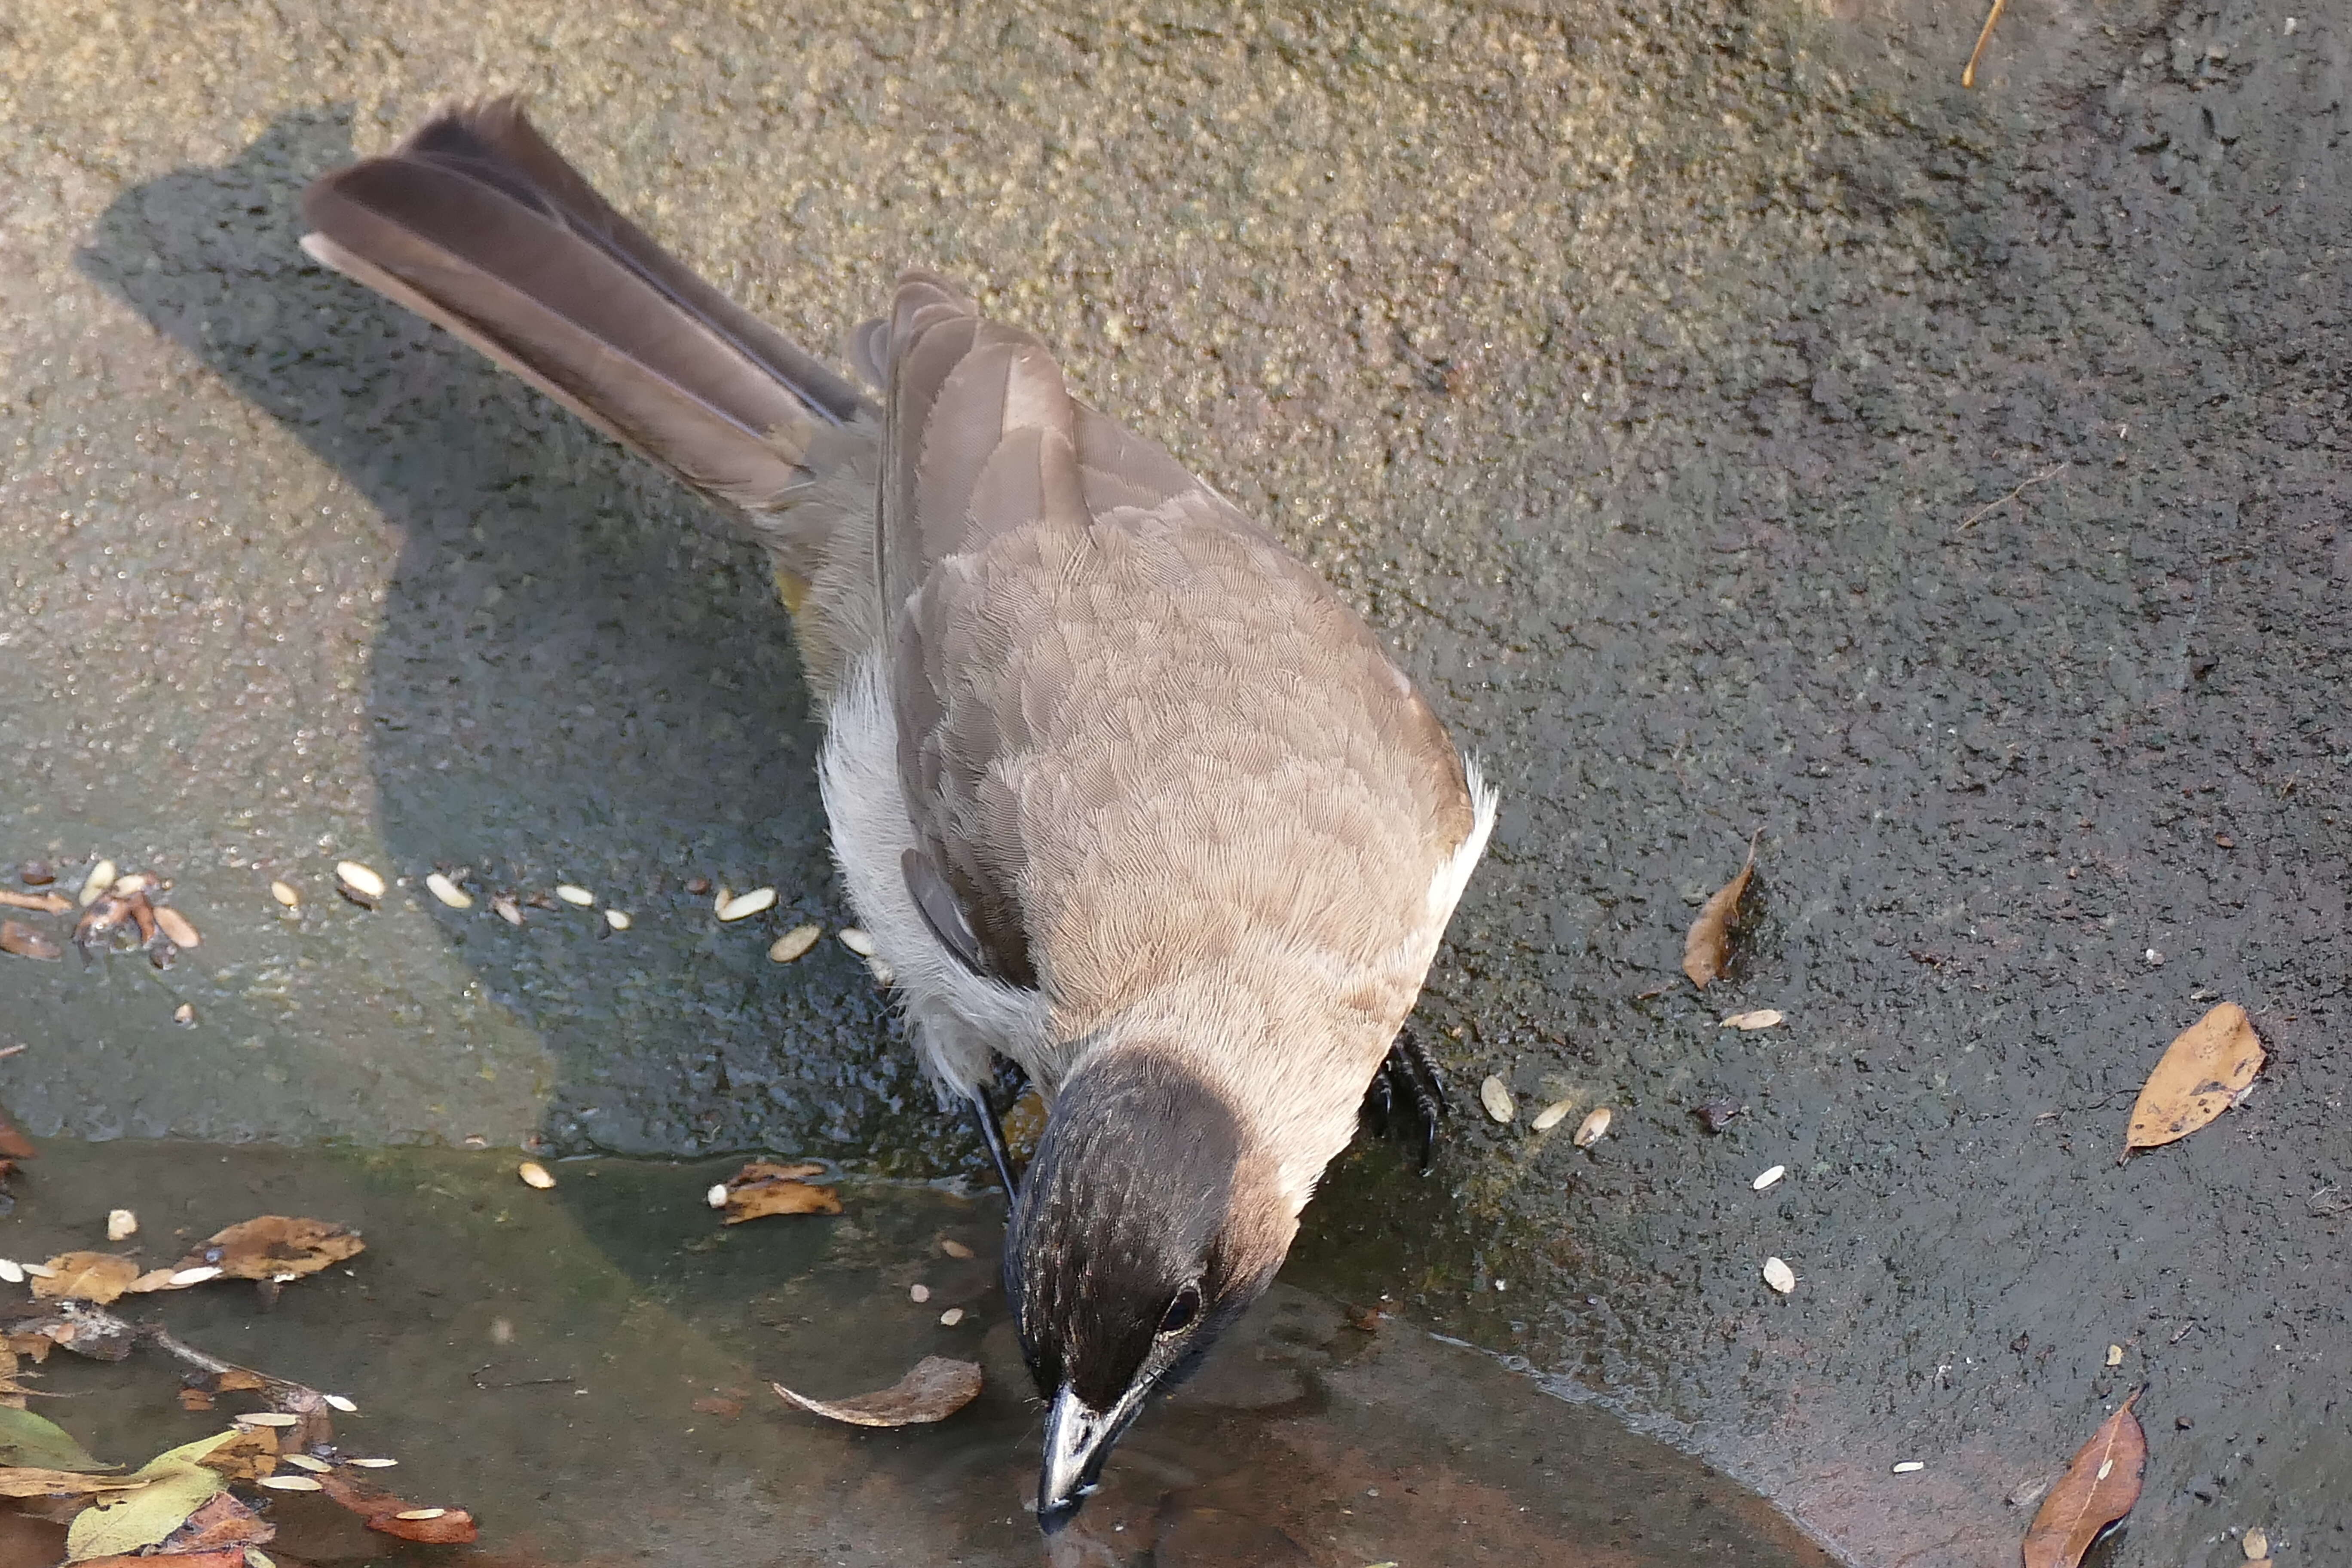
(991, 1124)
(1408, 1085)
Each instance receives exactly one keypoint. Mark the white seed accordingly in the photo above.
(794, 942)
(742, 906)
(12, 1271)
(919, 1294)
(2114, 1356)
(534, 1174)
(954, 1248)
(176, 926)
(448, 892)
(185, 1013)
(951, 1317)
(882, 974)
(1768, 1177)
(121, 1224)
(304, 1462)
(1552, 1115)
(2257, 1545)
(618, 919)
(372, 1464)
(135, 882)
(507, 910)
(102, 877)
(422, 1513)
(1779, 1276)
(2107, 1468)
(269, 1418)
(858, 942)
(1496, 1099)
(1909, 1466)
(717, 1196)
(1595, 1129)
(1763, 1019)
(361, 881)
(336, 1402)
(291, 1484)
(40, 1271)
(196, 1276)
(573, 893)
(285, 895)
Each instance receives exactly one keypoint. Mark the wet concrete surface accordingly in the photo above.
(1653, 379)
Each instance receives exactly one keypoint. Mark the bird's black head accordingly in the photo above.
(1146, 1223)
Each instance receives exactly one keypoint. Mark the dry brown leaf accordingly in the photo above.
(94, 1277)
(15, 1145)
(764, 1188)
(383, 1510)
(219, 1557)
(224, 1521)
(934, 1391)
(21, 1481)
(45, 904)
(2202, 1074)
(2099, 1487)
(1706, 946)
(274, 1247)
(26, 942)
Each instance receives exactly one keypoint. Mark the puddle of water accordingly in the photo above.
(587, 1368)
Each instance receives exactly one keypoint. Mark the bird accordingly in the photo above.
(1128, 797)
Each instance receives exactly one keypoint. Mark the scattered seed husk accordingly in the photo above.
(2027, 1493)
(202, 1273)
(1593, 1129)
(858, 942)
(2205, 1070)
(1909, 1467)
(2101, 1484)
(305, 1462)
(12, 1271)
(420, 1513)
(936, 1389)
(617, 920)
(1706, 946)
(1552, 1115)
(1761, 1018)
(291, 1484)
(535, 1175)
(36, 873)
(794, 942)
(284, 894)
(372, 1464)
(338, 1401)
(572, 893)
(2256, 1544)
(101, 877)
(131, 882)
(40, 903)
(176, 926)
(953, 1248)
(38, 1270)
(185, 1013)
(121, 1224)
(1496, 1099)
(361, 884)
(26, 942)
(951, 1317)
(1779, 1276)
(882, 974)
(717, 1196)
(763, 1187)
(1768, 1177)
(504, 905)
(269, 1418)
(2114, 1356)
(919, 1294)
(743, 906)
(448, 892)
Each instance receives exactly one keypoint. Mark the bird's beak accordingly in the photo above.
(1078, 1438)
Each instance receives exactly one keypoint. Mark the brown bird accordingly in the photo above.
(1124, 792)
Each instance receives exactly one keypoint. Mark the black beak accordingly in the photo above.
(1078, 1439)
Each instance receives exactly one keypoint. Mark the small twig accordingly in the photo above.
(518, 1383)
(2049, 473)
(1968, 77)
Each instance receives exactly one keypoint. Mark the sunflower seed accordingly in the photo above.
(12, 1271)
(336, 1402)
(448, 892)
(1768, 1177)
(507, 910)
(919, 1294)
(1763, 1019)
(134, 882)
(291, 1484)
(304, 1462)
(195, 1276)
(717, 1196)
(860, 942)
(573, 893)
(534, 1174)
(421, 1514)
(794, 942)
(1496, 1099)
(121, 1224)
(269, 1418)
(618, 920)
(39, 1270)
(882, 974)
(1779, 1276)
(1552, 1115)
(1595, 1129)
(361, 884)
(175, 925)
(372, 1464)
(951, 1317)
(102, 877)
(1909, 1467)
(2257, 1545)
(954, 1248)
(285, 895)
(745, 905)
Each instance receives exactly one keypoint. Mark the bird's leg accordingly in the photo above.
(992, 1127)
(1409, 1081)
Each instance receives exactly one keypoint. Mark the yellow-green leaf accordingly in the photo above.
(36, 1442)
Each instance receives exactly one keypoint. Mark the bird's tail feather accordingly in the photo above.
(476, 223)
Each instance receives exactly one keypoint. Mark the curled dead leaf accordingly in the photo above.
(94, 1277)
(2099, 1487)
(764, 1188)
(936, 1389)
(273, 1247)
(387, 1513)
(1706, 946)
(2203, 1072)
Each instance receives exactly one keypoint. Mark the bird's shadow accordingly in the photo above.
(578, 675)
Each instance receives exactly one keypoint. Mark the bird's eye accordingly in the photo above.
(1182, 1310)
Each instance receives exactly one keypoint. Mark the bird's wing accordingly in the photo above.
(1133, 732)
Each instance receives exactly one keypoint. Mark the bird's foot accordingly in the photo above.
(991, 1123)
(1409, 1094)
